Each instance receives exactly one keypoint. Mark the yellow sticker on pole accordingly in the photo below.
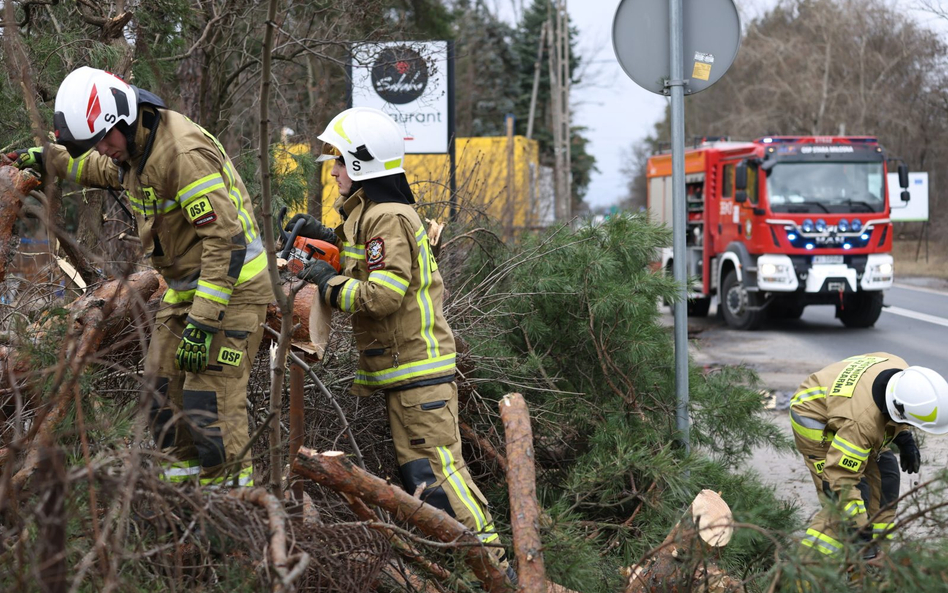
(846, 381)
(701, 71)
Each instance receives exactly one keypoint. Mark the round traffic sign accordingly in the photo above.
(711, 35)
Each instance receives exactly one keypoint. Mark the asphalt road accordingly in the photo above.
(913, 325)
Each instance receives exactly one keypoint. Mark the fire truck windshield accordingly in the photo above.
(827, 187)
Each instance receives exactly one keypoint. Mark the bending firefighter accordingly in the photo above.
(391, 285)
(844, 417)
(196, 223)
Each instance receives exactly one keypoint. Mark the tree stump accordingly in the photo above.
(685, 560)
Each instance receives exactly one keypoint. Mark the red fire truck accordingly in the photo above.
(783, 222)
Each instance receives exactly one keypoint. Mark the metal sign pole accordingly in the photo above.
(676, 88)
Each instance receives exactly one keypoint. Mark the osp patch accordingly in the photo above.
(375, 253)
(200, 212)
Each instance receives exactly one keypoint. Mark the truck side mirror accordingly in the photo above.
(903, 178)
(740, 177)
(740, 196)
(905, 195)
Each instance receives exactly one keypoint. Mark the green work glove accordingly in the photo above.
(193, 351)
(27, 158)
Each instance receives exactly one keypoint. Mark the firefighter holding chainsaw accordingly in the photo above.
(391, 285)
(844, 417)
(196, 223)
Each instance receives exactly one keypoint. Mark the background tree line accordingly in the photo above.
(203, 58)
(824, 67)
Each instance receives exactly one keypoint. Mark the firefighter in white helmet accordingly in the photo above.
(197, 226)
(844, 417)
(391, 285)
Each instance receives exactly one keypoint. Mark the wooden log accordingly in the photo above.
(14, 184)
(333, 470)
(308, 312)
(521, 484)
(684, 561)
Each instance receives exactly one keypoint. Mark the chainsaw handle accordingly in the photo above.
(288, 246)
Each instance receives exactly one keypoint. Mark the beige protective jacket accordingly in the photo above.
(839, 398)
(391, 284)
(194, 215)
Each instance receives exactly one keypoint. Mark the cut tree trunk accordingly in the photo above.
(333, 470)
(685, 560)
(521, 483)
(14, 184)
(311, 317)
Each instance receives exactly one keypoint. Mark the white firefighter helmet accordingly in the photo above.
(369, 142)
(88, 104)
(918, 396)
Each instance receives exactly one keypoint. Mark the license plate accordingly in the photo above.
(827, 259)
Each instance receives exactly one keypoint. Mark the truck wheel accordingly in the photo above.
(737, 302)
(699, 307)
(861, 309)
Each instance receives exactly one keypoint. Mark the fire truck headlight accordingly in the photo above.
(775, 272)
(884, 269)
(843, 225)
(820, 225)
(857, 224)
(807, 226)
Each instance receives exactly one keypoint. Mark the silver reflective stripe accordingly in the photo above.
(200, 189)
(806, 422)
(840, 444)
(254, 249)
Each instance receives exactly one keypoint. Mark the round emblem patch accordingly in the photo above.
(375, 253)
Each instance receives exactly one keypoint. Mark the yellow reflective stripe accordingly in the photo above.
(855, 507)
(246, 220)
(460, 487)
(850, 449)
(808, 394)
(337, 127)
(882, 530)
(426, 306)
(179, 471)
(389, 280)
(201, 187)
(173, 296)
(822, 542)
(74, 167)
(345, 300)
(392, 164)
(218, 294)
(353, 251)
(252, 268)
(441, 365)
(244, 478)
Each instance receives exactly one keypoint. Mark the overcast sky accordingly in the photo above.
(616, 111)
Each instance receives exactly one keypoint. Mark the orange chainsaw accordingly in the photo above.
(299, 251)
